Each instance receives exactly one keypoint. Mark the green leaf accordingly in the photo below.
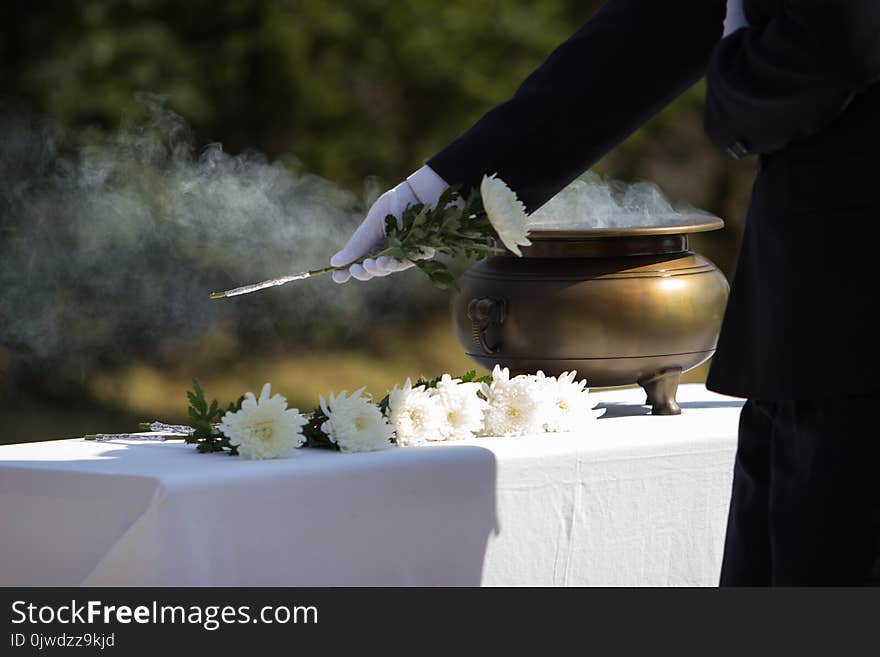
(203, 418)
(452, 228)
(235, 406)
(198, 399)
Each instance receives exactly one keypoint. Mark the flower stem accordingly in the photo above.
(283, 280)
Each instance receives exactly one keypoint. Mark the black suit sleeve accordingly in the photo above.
(629, 61)
(770, 85)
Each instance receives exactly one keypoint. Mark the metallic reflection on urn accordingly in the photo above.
(620, 306)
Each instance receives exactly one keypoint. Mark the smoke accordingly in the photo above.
(591, 202)
(111, 242)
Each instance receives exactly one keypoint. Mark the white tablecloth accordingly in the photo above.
(632, 500)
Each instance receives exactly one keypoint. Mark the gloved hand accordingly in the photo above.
(423, 186)
(736, 17)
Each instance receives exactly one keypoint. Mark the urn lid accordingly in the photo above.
(678, 224)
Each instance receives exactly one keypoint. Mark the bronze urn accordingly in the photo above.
(619, 305)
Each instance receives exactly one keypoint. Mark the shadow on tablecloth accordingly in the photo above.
(614, 409)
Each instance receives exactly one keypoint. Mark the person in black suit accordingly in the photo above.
(799, 87)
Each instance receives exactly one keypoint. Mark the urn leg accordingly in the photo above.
(660, 389)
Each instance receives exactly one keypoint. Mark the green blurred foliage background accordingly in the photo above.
(350, 89)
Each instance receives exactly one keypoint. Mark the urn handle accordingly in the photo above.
(487, 314)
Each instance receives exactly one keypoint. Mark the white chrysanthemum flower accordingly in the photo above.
(355, 423)
(414, 414)
(463, 410)
(516, 406)
(506, 213)
(264, 428)
(569, 404)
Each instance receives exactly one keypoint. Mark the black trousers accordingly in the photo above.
(805, 508)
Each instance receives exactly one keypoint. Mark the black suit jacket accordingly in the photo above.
(798, 87)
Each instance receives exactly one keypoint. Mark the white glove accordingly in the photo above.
(736, 17)
(423, 186)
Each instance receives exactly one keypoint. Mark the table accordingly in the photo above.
(631, 500)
